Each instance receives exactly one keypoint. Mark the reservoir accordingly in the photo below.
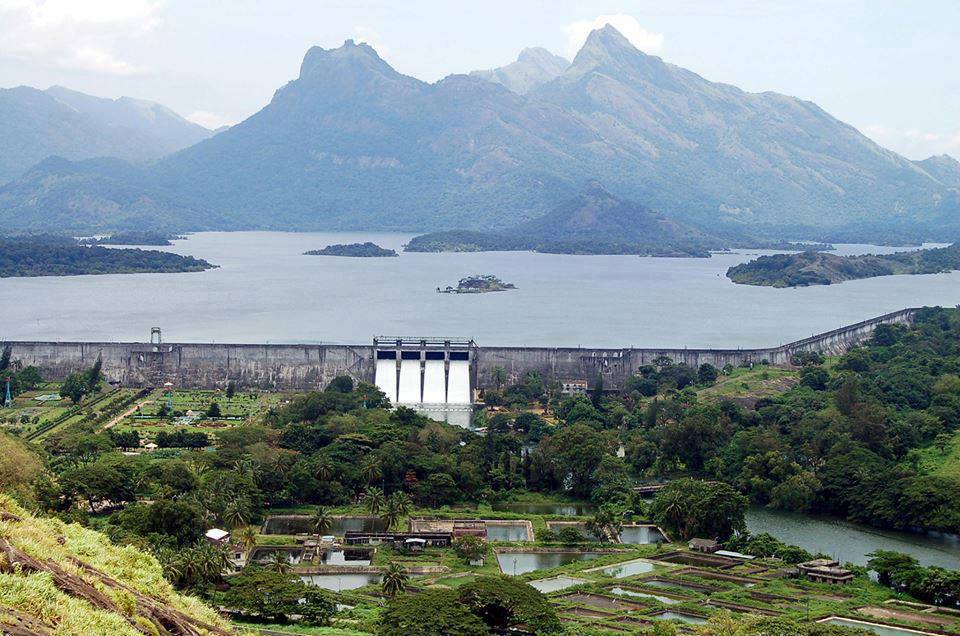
(851, 542)
(266, 290)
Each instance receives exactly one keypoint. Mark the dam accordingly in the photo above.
(409, 370)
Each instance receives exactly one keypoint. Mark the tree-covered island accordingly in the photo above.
(477, 284)
(60, 256)
(819, 268)
(133, 238)
(357, 250)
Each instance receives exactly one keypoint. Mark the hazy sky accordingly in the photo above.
(890, 68)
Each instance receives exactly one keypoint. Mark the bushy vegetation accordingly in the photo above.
(52, 256)
(819, 268)
(358, 250)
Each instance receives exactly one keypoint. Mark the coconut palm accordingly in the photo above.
(394, 580)
(247, 538)
(401, 502)
(323, 469)
(390, 515)
(235, 515)
(279, 562)
(321, 522)
(374, 500)
(370, 470)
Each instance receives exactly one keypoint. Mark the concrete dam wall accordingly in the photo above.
(436, 366)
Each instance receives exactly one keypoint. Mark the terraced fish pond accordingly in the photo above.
(301, 524)
(338, 582)
(629, 568)
(623, 591)
(517, 563)
(576, 509)
(691, 619)
(876, 628)
(509, 531)
(556, 583)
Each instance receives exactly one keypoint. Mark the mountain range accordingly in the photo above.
(354, 144)
(36, 124)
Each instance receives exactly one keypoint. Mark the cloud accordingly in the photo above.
(211, 120)
(74, 34)
(646, 41)
(914, 142)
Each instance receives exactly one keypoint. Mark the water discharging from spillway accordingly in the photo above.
(409, 382)
(458, 388)
(386, 378)
(434, 382)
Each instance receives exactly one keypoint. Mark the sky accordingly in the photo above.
(889, 68)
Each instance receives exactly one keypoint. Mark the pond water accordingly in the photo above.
(505, 531)
(678, 616)
(880, 630)
(850, 542)
(266, 290)
(339, 582)
(576, 509)
(300, 524)
(669, 585)
(666, 600)
(339, 557)
(556, 583)
(641, 535)
(630, 568)
(516, 563)
(262, 554)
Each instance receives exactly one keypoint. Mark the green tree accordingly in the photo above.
(374, 501)
(504, 604)
(394, 580)
(470, 548)
(707, 374)
(93, 376)
(432, 612)
(692, 508)
(213, 411)
(74, 387)
(341, 384)
(273, 596)
(231, 389)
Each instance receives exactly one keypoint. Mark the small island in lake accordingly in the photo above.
(356, 250)
(820, 268)
(133, 238)
(478, 284)
(62, 256)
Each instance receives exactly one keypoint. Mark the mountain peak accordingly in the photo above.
(534, 66)
(607, 39)
(357, 56)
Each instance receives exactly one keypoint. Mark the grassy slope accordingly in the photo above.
(36, 595)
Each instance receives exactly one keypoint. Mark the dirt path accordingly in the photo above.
(130, 411)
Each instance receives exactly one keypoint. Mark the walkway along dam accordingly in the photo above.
(409, 370)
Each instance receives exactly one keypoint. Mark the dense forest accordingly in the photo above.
(817, 268)
(359, 250)
(56, 256)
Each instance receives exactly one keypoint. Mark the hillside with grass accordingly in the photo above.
(60, 578)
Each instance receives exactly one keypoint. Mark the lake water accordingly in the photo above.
(266, 291)
(340, 582)
(851, 542)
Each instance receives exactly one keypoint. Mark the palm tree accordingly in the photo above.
(321, 523)
(247, 538)
(279, 562)
(401, 502)
(394, 579)
(234, 515)
(323, 469)
(374, 500)
(391, 515)
(370, 470)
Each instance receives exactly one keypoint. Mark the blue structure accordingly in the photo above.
(9, 399)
